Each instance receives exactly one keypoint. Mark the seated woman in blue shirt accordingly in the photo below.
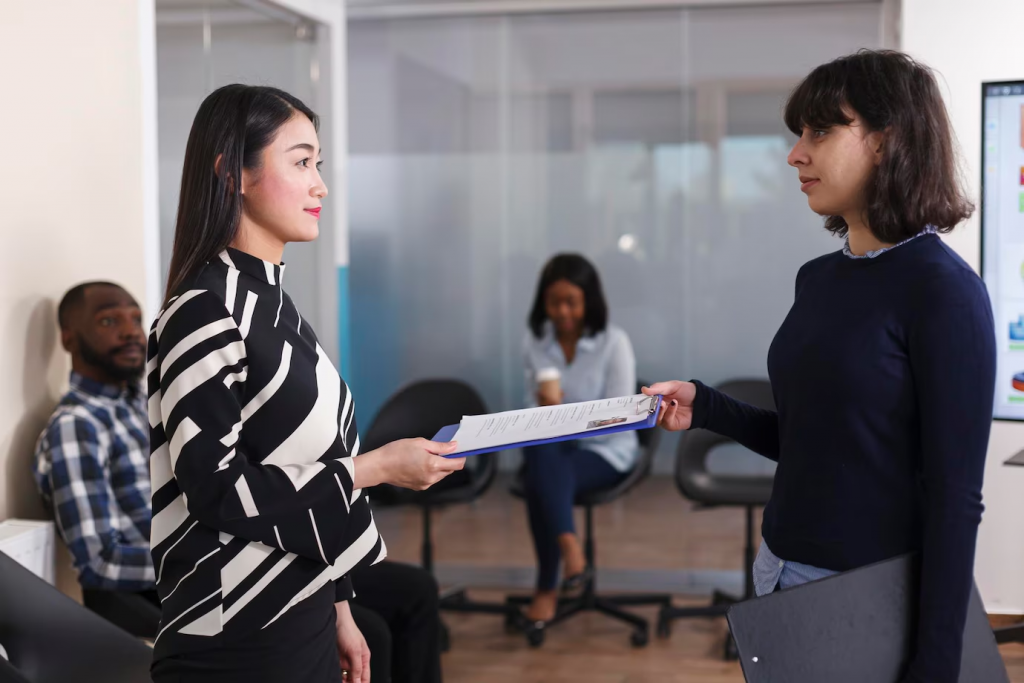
(569, 333)
(884, 370)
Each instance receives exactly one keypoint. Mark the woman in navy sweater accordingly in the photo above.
(883, 372)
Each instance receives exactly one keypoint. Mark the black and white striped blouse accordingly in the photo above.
(253, 434)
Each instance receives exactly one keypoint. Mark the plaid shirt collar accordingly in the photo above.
(90, 387)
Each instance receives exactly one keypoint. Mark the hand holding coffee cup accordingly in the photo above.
(549, 387)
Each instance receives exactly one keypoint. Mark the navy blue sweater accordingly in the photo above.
(883, 375)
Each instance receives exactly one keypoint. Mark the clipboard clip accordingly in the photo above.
(652, 406)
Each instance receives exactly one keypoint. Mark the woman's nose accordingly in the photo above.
(797, 155)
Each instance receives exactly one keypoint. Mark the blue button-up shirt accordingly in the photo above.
(92, 469)
(770, 571)
(604, 367)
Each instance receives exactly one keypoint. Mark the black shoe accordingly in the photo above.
(572, 585)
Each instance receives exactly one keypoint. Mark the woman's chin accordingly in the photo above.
(304, 234)
(821, 208)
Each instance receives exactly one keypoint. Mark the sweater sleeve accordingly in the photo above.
(755, 428)
(952, 357)
(201, 361)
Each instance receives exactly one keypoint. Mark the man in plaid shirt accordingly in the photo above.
(92, 460)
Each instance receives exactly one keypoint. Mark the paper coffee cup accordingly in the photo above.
(549, 384)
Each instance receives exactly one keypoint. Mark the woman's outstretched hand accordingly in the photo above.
(415, 464)
(677, 403)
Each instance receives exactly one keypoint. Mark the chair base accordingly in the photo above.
(1010, 634)
(720, 603)
(608, 605)
(457, 600)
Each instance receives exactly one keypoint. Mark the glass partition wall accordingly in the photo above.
(650, 141)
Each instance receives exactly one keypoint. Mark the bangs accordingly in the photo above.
(821, 101)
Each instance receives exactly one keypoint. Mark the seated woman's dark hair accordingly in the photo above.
(918, 182)
(579, 271)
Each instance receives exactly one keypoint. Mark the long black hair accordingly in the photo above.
(580, 272)
(918, 181)
(235, 123)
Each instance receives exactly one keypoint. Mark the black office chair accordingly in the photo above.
(709, 490)
(420, 410)
(50, 638)
(590, 600)
(129, 611)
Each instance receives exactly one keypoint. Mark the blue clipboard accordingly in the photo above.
(448, 433)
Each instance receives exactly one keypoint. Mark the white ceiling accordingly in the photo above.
(359, 9)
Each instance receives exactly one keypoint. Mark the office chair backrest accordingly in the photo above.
(695, 445)
(420, 410)
(50, 638)
(649, 440)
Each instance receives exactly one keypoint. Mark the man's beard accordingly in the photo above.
(108, 363)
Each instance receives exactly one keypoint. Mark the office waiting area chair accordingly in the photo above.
(50, 638)
(711, 490)
(420, 410)
(590, 600)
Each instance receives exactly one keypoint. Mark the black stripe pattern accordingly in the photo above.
(252, 443)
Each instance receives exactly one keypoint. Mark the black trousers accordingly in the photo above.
(396, 608)
(137, 613)
(300, 647)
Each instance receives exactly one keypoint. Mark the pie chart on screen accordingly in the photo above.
(1018, 381)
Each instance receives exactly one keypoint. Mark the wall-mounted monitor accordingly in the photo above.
(1002, 235)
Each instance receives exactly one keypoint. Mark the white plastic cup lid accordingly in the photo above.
(548, 375)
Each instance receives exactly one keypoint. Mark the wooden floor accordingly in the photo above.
(653, 528)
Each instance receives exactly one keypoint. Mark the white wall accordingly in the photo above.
(72, 197)
(968, 43)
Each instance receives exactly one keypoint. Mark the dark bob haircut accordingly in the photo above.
(579, 271)
(918, 182)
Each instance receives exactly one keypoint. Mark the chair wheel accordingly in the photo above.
(512, 623)
(639, 638)
(535, 636)
(664, 626)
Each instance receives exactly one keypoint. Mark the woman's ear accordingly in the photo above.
(247, 179)
(876, 143)
(218, 165)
